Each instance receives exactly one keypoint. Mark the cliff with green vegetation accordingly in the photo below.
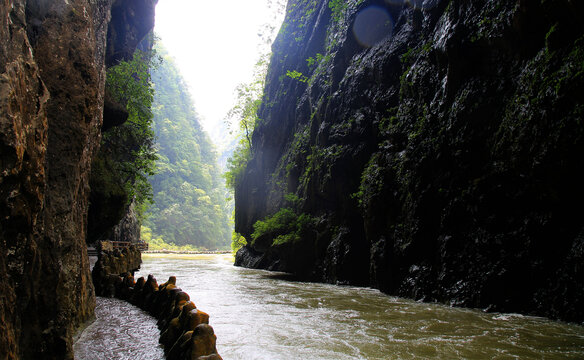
(53, 59)
(189, 197)
(120, 188)
(431, 149)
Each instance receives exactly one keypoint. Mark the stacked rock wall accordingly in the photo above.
(110, 264)
(185, 330)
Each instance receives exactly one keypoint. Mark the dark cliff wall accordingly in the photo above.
(52, 74)
(437, 145)
(23, 128)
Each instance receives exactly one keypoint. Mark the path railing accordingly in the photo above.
(142, 246)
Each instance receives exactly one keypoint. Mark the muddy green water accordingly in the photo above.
(257, 315)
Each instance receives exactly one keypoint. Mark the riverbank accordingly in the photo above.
(226, 257)
(197, 252)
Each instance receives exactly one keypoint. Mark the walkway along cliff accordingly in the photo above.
(53, 57)
(185, 332)
(431, 149)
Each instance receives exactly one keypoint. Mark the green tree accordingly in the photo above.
(243, 119)
(120, 170)
(249, 99)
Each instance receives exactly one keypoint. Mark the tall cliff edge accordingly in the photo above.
(436, 147)
(53, 56)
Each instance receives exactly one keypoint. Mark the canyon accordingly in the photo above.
(430, 149)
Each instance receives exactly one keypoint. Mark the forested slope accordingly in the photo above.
(189, 197)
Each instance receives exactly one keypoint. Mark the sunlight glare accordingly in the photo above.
(215, 44)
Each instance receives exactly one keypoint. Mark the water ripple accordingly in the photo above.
(259, 316)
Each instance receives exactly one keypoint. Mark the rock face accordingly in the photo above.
(437, 147)
(52, 75)
(128, 229)
(23, 138)
(111, 264)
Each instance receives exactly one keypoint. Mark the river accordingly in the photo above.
(260, 315)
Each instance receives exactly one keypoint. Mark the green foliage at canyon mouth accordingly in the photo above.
(189, 196)
(286, 226)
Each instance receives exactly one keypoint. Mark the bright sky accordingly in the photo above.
(216, 45)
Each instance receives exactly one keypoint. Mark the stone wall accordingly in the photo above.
(110, 264)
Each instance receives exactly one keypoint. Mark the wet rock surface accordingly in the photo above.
(439, 155)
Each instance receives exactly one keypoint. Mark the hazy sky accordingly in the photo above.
(215, 44)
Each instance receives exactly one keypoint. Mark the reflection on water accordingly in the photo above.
(257, 315)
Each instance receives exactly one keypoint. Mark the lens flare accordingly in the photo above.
(371, 25)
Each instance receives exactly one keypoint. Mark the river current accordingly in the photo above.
(260, 315)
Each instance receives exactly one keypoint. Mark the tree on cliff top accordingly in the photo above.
(243, 118)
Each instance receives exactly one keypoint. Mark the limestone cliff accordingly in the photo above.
(436, 145)
(52, 74)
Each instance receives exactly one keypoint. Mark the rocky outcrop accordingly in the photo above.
(131, 21)
(436, 146)
(106, 219)
(52, 74)
(110, 264)
(185, 332)
(128, 229)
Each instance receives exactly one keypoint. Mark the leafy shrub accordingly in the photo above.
(129, 148)
(285, 226)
